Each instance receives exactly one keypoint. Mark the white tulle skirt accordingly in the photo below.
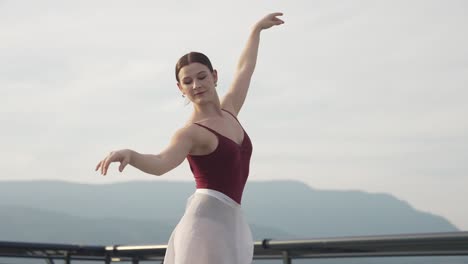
(213, 230)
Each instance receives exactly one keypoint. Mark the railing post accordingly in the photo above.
(108, 259)
(68, 258)
(49, 260)
(286, 258)
(135, 260)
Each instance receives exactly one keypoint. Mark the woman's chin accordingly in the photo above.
(200, 97)
(202, 101)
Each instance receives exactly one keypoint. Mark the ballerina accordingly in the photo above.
(213, 229)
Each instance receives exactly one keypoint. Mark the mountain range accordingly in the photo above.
(145, 212)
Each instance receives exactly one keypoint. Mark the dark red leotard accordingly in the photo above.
(226, 169)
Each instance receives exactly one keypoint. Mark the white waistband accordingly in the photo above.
(220, 196)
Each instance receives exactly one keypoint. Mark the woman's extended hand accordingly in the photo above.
(122, 156)
(269, 21)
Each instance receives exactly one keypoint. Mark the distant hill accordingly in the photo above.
(325, 213)
(39, 225)
(146, 212)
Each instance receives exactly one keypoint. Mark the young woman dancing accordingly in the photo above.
(213, 229)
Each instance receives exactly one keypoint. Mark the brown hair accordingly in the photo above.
(192, 57)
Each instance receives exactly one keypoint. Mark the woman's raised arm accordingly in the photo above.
(236, 94)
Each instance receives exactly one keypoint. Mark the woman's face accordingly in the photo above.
(197, 82)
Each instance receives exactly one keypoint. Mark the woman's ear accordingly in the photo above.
(180, 88)
(215, 76)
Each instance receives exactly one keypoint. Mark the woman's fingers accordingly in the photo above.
(106, 166)
(271, 20)
(276, 14)
(112, 157)
(97, 167)
(103, 165)
(122, 165)
(277, 20)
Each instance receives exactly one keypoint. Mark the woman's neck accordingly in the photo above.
(206, 111)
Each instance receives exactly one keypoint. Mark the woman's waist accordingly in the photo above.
(219, 195)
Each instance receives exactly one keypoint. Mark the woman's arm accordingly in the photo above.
(167, 160)
(235, 97)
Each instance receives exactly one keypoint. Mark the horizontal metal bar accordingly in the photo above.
(366, 254)
(434, 244)
(412, 242)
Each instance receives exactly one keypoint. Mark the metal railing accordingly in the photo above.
(434, 244)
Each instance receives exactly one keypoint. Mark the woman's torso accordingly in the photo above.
(205, 142)
(221, 158)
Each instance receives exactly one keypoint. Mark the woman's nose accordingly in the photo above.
(196, 84)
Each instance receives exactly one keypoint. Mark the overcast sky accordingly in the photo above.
(362, 95)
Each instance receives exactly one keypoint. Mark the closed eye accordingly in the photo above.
(189, 80)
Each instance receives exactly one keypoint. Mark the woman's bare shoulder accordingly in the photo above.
(191, 131)
(188, 131)
(200, 139)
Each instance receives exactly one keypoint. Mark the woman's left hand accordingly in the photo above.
(269, 21)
